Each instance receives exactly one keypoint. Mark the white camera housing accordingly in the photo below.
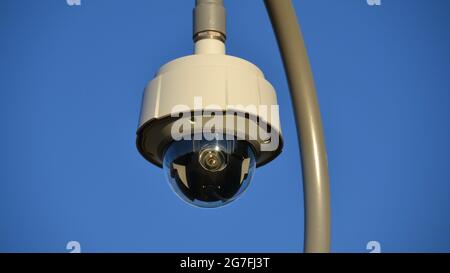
(224, 84)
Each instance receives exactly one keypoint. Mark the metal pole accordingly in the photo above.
(309, 125)
(209, 20)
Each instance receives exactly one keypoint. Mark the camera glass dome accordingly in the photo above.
(209, 173)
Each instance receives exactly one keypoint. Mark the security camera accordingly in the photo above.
(209, 119)
(209, 173)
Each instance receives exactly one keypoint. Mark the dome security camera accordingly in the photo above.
(209, 119)
(209, 173)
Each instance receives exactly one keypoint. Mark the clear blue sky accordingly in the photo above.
(71, 80)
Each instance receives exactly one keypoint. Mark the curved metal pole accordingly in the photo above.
(309, 125)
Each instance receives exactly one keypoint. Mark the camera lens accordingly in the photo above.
(212, 159)
(209, 173)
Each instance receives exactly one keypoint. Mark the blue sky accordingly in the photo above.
(71, 81)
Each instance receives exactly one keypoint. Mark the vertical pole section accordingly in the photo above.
(209, 29)
(309, 125)
(209, 20)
